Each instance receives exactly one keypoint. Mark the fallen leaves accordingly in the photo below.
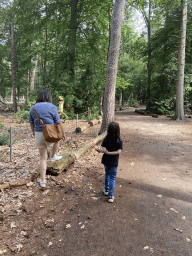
(179, 230)
(2, 251)
(172, 209)
(68, 226)
(148, 248)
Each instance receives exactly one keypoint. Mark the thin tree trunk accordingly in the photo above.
(109, 14)
(149, 59)
(27, 91)
(44, 64)
(45, 57)
(120, 99)
(33, 73)
(147, 19)
(113, 55)
(13, 66)
(72, 39)
(179, 113)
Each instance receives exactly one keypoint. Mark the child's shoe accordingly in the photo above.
(105, 192)
(111, 199)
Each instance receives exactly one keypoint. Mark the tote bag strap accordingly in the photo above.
(37, 115)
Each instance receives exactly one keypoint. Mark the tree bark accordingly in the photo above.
(113, 55)
(13, 66)
(120, 99)
(33, 73)
(179, 113)
(72, 39)
(149, 58)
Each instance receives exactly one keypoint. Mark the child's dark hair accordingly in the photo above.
(44, 96)
(113, 130)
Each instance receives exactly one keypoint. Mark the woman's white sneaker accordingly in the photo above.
(55, 158)
(42, 184)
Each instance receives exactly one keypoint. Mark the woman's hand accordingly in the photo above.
(32, 129)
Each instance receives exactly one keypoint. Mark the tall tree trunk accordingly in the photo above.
(179, 113)
(72, 39)
(28, 89)
(44, 64)
(113, 55)
(149, 58)
(13, 66)
(45, 57)
(147, 19)
(109, 15)
(33, 73)
(120, 99)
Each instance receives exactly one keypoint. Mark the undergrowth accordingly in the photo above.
(4, 138)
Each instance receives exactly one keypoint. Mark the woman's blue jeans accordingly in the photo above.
(110, 176)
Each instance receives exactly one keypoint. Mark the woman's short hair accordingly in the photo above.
(44, 96)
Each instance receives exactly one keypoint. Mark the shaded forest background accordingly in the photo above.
(63, 45)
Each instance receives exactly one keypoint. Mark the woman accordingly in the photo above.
(49, 115)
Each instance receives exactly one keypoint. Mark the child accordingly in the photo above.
(111, 147)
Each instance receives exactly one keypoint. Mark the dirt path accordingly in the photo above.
(157, 151)
(151, 214)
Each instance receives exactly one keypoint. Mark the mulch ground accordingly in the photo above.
(151, 214)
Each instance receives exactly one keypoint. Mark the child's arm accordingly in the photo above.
(101, 149)
(118, 152)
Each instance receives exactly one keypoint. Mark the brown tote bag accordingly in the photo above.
(51, 133)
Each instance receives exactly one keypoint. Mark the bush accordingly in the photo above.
(27, 107)
(4, 138)
(133, 103)
(22, 116)
(164, 107)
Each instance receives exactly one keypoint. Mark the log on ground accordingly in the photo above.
(67, 160)
(82, 128)
(58, 166)
(95, 121)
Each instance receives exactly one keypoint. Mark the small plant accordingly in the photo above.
(164, 107)
(24, 114)
(92, 114)
(133, 103)
(4, 138)
(21, 116)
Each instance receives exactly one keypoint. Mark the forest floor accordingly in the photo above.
(152, 211)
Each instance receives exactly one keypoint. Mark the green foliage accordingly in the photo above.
(133, 103)
(1, 126)
(4, 138)
(23, 114)
(43, 30)
(164, 107)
